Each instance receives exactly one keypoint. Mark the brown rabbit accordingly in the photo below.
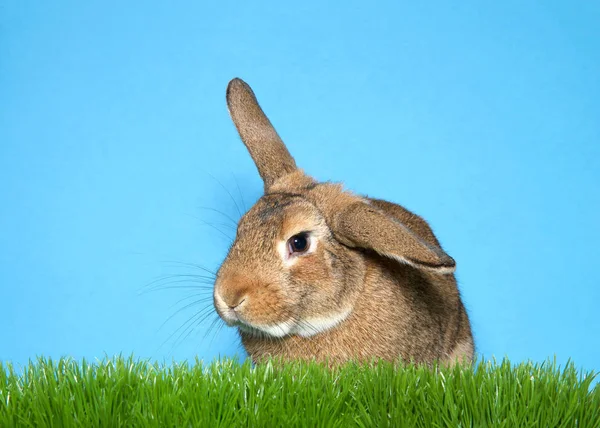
(317, 272)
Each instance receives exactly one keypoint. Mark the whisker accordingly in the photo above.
(310, 327)
(227, 225)
(191, 296)
(175, 332)
(216, 333)
(211, 326)
(239, 191)
(220, 212)
(228, 192)
(206, 287)
(183, 287)
(190, 330)
(229, 238)
(201, 284)
(189, 305)
(190, 324)
(192, 278)
(191, 265)
(212, 223)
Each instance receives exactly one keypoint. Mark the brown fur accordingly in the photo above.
(374, 284)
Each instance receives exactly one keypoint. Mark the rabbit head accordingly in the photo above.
(305, 253)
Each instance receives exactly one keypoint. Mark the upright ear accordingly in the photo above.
(260, 138)
(363, 225)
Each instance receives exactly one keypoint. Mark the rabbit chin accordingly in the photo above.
(304, 328)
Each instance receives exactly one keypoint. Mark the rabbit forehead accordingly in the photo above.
(276, 213)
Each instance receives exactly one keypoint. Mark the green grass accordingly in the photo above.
(127, 392)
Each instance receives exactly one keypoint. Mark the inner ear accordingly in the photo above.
(364, 226)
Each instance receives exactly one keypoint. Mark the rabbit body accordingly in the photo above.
(316, 272)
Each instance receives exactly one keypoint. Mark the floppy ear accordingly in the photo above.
(363, 225)
(260, 138)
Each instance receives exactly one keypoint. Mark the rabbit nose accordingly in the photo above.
(235, 305)
(233, 290)
(232, 300)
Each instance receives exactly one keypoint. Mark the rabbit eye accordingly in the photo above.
(299, 243)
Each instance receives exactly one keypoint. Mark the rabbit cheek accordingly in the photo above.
(267, 307)
(311, 277)
(309, 269)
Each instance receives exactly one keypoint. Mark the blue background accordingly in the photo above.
(114, 139)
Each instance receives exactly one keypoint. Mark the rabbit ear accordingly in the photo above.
(365, 226)
(260, 138)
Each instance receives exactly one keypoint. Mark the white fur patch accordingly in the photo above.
(312, 326)
(440, 270)
(275, 330)
(306, 328)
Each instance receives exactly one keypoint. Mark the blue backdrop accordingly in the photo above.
(116, 147)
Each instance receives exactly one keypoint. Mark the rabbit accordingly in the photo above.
(319, 273)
